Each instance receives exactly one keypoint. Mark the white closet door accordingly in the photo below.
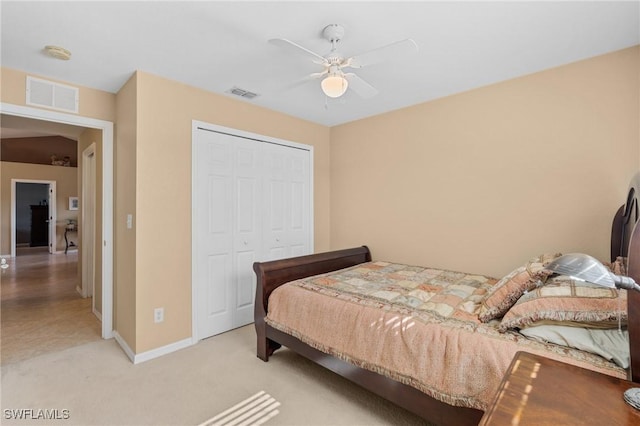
(252, 202)
(299, 192)
(275, 203)
(213, 206)
(247, 238)
(286, 200)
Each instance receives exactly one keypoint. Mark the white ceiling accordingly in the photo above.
(216, 45)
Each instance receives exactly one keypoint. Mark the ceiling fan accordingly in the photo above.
(335, 81)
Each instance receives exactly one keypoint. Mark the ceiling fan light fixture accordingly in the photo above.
(334, 85)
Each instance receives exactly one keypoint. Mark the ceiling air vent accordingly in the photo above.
(48, 94)
(242, 93)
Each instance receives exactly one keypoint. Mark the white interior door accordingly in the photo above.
(239, 184)
(213, 206)
(275, 204)
(247, 236)
(286, 202)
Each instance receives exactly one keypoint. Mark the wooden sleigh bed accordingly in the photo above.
(625, 242)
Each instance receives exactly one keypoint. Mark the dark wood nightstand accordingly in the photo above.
(540, 391)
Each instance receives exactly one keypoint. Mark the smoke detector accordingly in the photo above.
(58, 52)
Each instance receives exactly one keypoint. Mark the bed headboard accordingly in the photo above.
(625, 220)
(625, 241)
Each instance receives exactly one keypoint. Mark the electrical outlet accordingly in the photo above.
(158, 315)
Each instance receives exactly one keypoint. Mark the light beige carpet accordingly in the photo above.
(98, 385)
(254, 411)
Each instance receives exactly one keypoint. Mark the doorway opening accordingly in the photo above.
(105, 243)
(33, 213)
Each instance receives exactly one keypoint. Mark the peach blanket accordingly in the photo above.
(415, 325)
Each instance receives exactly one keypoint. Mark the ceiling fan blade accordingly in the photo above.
(361, 87)
(296, 48)
(385, 53)
(304, 80)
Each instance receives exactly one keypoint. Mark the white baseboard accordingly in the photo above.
(97, 314)
(127, 350)
(8, 256)
(163, 350)
(154, 353)
(75, 250)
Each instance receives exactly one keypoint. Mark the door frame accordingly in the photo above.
(195, 126)
(107, 193)
(53, 213)
(87, 283)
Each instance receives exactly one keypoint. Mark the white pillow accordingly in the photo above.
(610, 344)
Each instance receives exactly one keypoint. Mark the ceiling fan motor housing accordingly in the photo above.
(333, 33)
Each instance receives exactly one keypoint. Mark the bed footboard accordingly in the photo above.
(271, 275)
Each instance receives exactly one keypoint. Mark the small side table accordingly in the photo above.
(541, 391)
(69, 228)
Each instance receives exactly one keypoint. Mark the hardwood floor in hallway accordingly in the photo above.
(40, 309)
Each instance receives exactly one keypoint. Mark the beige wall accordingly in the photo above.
(86, 139)
(163, 193)
(66, 186)
(483, 180)
(125, 203)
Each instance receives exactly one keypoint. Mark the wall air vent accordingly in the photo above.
(48, 94)
(242, 93)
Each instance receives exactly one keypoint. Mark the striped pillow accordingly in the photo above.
(508, 290)
(564, 301)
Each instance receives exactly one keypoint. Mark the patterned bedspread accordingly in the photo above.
(415, 325)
